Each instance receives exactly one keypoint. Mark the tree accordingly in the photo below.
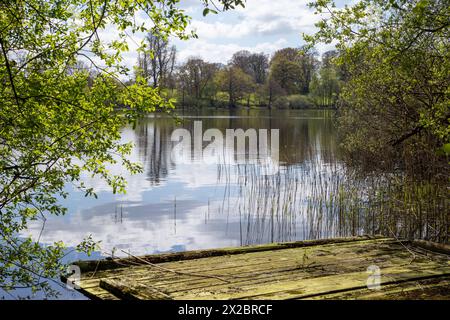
(309, 64)
(394, 107)
(53, 126)
(156, 60)
(254, 64)
(293, 69)
(272, 89)
(325, 84)
(236, 83)
(287, 74)
(195, 76)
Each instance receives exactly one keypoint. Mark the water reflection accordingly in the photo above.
(185, 206)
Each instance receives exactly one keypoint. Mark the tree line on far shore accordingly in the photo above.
(290, 78)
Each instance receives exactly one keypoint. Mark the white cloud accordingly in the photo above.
(324, 47)
(258, 18)
(222, 52)
(262, 26)
(220, 30)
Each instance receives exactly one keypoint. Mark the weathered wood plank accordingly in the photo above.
(97, 293)
(231, 260)
(320, 285)
(255, 263)
(433, 288)
(432, 246)
(99, 265)
(313, 267)
(332, 269)
(135, 291)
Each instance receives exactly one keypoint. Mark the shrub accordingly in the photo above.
(297, 101)
(281, 103)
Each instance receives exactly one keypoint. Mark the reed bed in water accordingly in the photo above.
(315, 200)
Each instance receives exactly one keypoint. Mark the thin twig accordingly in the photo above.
(399, 241)
(174, 271)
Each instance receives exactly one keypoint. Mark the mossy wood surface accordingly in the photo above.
(320, 269)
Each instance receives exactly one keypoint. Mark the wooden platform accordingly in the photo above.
(320, 269)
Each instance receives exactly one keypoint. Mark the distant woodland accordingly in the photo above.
(290, 78)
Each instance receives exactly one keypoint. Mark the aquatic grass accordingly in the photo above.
(313, 200)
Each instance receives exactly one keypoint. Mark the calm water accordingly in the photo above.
(192, 205)
(184, 206)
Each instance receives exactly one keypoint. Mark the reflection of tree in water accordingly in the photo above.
(317, 200)
(300, 139)
(154, 147)
(313, 195)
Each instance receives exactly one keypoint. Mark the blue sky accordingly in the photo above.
(262, 26)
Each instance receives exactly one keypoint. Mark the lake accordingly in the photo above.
(196, 205)
(185, 205)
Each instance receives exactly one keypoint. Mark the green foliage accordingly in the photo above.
(60, 118)
(281, 102)
(235, 82)
(298, 101)
(250, 81)
(196, 80)
(395, 101)
(325, 86)
(292, 69)
(254, 64)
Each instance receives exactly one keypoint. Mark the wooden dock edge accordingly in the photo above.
(108, 263)
(104, 293)
(432, 246)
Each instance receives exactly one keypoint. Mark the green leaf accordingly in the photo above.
(208, 10)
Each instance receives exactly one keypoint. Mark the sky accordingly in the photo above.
(262, 26)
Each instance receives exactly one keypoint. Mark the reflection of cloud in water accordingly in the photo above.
(140, 228)
(216, 205)
(196, 175)
(135, 185)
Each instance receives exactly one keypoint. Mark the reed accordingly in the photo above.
(314, 200)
